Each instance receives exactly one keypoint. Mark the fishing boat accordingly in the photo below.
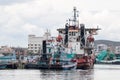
(8, 61)
(53, 57)
(80, 39)
(3, 66)
(107, 57)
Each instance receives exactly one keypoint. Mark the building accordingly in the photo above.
(20, 50)
(35, 43)
(101, 47)
(9, 50)
(117, 50)
(6, 49)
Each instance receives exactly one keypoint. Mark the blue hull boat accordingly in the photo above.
(3, 66)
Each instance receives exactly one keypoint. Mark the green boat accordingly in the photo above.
(53, 57)
(107, 57)
(8, 62)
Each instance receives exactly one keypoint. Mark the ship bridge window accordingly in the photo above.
(73, 33)
(69, 33)
(60, 31)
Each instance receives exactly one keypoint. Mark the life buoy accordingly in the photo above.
(90, 38)
(59, 38)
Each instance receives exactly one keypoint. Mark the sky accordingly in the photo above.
(19, 18)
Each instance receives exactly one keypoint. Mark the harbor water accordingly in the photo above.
(100, 72)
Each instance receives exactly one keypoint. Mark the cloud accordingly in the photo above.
(107, 20)
(32, 29)
(18, 18)
(9, 2)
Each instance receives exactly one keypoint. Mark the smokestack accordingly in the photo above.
(44, 46)
(82, 35)
(66, 34)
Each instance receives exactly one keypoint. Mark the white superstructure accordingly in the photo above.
(77, 37)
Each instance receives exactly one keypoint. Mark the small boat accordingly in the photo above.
(69, 65)
(59, 64)
(63, 65)
(107, 57)
(58, 60)
(3, 66)
(8, 62)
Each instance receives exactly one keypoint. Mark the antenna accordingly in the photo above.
(75, 16)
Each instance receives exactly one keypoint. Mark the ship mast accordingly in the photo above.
(75, 16)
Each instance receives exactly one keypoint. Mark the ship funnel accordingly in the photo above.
(44, 46)
(66, 34)
(82, 35)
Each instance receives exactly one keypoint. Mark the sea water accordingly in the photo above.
(100, 72)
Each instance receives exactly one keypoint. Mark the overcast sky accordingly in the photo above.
(19, 18)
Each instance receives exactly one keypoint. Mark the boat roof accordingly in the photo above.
(87, 29)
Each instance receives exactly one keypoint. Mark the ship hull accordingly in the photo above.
(51, 66)
(85, 65)
(116, 62)
(3, 66)
(8, 66)
(85, 62)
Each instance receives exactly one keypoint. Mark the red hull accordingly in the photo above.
(85, 62)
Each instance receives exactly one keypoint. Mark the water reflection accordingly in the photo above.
(67, 75)
(87, 75)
